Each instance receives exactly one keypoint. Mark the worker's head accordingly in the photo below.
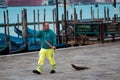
(45, 26)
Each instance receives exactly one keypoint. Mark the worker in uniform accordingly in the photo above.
(48, 46)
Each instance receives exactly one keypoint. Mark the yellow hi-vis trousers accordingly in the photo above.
(49, 53)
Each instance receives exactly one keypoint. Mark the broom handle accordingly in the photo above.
(59, 52)
(49, 44)
(52, 46)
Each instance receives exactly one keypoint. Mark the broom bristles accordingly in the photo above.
(79, 67)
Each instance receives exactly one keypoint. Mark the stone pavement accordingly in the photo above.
(103, 60)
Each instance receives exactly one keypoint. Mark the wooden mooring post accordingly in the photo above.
(81, 14)
(57, 23)
(5, 29)
(8, 33)
(108, 17)
(38, 13)
(8, 36)
(34, 18)
(102, 33)
(75, 14)
(105, 13)
(71, 17)
(53, 12)
(97, 13)
(24, 27)
(18, 22)
(67, 16)
(115, 10)
(44, 14)
(91, 13)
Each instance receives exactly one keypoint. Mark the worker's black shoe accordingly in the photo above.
(36, 72)
(52, 71)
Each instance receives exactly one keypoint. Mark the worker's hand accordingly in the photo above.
(54, 47)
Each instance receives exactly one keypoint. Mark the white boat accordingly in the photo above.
(3, 6)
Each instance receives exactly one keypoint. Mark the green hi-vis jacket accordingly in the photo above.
(47, 36)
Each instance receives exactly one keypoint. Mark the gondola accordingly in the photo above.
(62, 45)
(20, 50)
(30, 37)
(4, 50)
(19, 32)
(15, 45)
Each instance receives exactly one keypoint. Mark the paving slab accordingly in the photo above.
(102, 59)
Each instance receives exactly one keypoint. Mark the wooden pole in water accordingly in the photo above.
(67, 17)
(119, 9)
(44, 14)
(7, 14)
(55, 19)
(5, 30)
(18, 22)
(91, 13)
(38, 19)
(63, 29)
(71, 17)
(81, 14)
(62, 17)
(105, 13)
(8, 36)
(53, 15)
(75, 14)
(65, 21)
(96, 5)
(53, 12)
(108, 13)
(98, 13)
(57, 23)
(6, 52)
(115, 10)
(24, 26)
(34, 26)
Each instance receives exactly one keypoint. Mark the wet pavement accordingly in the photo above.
(102, 59)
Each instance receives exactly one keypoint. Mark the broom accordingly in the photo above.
(79, 67)
(73, 65)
